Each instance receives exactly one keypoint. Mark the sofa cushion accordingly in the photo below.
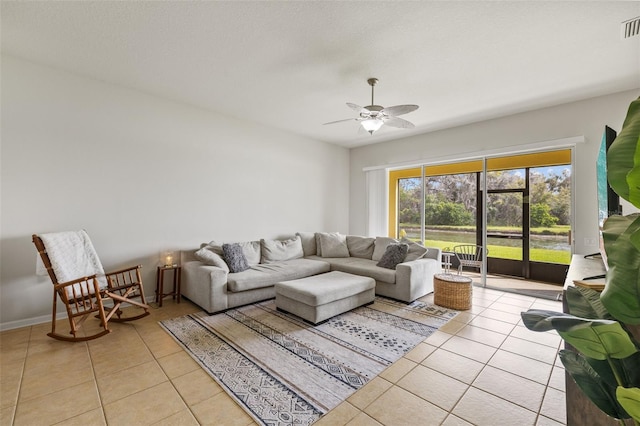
(266, 275)
(380, 246)
(280, 250)
(416, 251)
(364, 267)
(234, 257)
(333, 245)
(318, 246)
(361, 247)
(308, 242)
(207, 256)
(251, 250)
(394, 254)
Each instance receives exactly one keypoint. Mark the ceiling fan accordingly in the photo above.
(373, 116)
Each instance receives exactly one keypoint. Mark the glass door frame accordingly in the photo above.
(482, 195)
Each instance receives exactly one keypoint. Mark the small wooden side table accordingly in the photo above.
(160, 294)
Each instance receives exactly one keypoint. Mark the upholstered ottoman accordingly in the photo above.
(320, 297)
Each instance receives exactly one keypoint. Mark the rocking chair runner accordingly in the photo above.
(81, 284)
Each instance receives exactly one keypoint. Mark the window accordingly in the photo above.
(527, 214)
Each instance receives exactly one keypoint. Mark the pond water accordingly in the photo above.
(548, 242)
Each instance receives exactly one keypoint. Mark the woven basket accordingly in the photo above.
(452, 291)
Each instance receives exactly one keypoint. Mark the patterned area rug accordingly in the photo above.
(283, 370)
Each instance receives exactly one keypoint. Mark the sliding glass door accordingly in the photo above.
(528, 210)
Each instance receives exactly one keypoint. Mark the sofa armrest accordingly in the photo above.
(415, 278)
(205, 285)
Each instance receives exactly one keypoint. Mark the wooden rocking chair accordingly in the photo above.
(71, 258)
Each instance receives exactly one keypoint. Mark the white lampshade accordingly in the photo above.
(372, 124)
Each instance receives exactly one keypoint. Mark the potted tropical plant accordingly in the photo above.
(604, 327)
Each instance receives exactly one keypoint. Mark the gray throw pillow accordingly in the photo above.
(394, 254)
(208, 257)
(251, 250)
(234, 257)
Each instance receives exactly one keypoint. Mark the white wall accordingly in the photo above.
(143, 174)
(585, 118)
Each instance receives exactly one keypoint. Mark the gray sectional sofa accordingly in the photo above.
(209, 282)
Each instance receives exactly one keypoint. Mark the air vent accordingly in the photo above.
(630, 28)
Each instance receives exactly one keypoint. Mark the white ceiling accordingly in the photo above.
(294, 65)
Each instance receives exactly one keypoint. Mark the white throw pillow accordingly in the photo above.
(416, 251)
(280, 250)
(308, 242)
(361, 247)
(207, 256)
(380, 246)
(333, 245)
(250, 249)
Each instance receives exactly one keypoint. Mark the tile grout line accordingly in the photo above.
(155, 359)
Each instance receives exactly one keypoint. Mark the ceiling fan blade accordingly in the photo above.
(398, 122)
(396, 110)
(357, 108)
(339, 121)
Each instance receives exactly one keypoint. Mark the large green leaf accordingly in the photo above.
(601, 393)
(621, 296)
(629, 399)
(585, 303)
(623, 157)
(598, 339)
(627, 370)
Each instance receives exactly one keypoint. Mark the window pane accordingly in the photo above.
(506, 179)
(550, 214)
(409, 204)
(504, 225)
(450, 210)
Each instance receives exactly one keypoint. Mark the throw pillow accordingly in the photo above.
(308, 242)
(394, 254)
(333, 245)
(251, 250)
(416, 251)
(318, 247)
(380, 246)
(234, 257)
(213, 246)
(208, 257)
(361, 247)
(281, 250)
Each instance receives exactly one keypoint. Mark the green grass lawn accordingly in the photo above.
(514, 253)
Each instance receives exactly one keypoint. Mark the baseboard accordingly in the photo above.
(12, 325)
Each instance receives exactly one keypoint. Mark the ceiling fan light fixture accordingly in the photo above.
(372, 124)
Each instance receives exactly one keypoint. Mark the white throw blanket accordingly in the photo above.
(72, 256)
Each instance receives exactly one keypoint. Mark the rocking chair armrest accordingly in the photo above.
(80, 288)
(131, 268)
(76, 281)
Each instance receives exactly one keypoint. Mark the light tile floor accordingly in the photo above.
(482, 368)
